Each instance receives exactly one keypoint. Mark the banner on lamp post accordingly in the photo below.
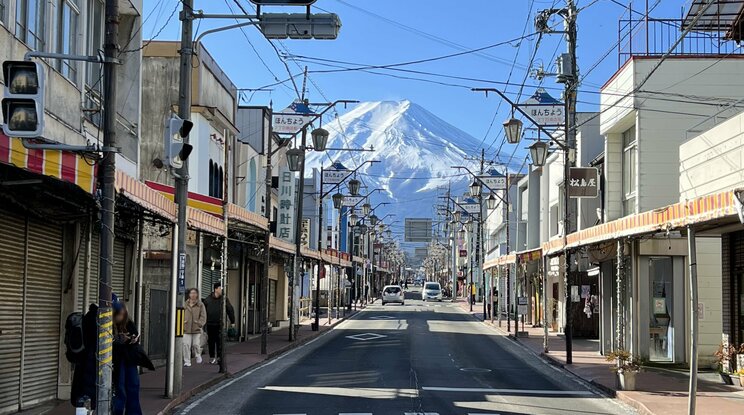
(286, 213)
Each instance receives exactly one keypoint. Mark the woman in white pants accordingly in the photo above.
(194, 320)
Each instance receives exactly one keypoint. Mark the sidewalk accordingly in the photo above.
(197, 378)
(660, 391)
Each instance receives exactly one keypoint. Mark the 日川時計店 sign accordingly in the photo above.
(583, 182)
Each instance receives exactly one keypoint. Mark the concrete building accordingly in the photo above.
(48, 219)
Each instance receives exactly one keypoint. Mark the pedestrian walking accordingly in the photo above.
(85, 375)
(195, 318)
(473, 292)
(128, 355)
(213, 304)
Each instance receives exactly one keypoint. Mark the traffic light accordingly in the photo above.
(176, 151)
(23, 99)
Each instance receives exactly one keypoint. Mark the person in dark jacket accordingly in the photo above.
(128, 354)
(84, 376)
(213, 303)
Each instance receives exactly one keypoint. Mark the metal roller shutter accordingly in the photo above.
(118, 278)
(209, 277)
(42, 315)
(94, 261)
(12, 229)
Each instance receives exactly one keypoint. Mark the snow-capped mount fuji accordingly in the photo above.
(415, 149)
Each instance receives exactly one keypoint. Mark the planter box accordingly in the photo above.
(627, 380)
(736, 380)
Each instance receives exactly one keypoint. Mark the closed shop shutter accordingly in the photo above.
(118, 279)
(94, 261)
(209, 277)
(43, 308)
(12, 229)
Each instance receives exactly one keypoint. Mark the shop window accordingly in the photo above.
(4, 12)
(661, 344)
(630, 152)
(67, 31)
(30, 19)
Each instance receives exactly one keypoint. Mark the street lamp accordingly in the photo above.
(539, 153)
(366, 208)
(353, 219)
(475, 188)
(513, 130)
(491, 202)
(338, 200)
(294, 158)
(320, 139)
(461, 232)
(354, 187)
(469, 225)
(457, 215)
(373, 220)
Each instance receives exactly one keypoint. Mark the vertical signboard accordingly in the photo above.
(286, 213)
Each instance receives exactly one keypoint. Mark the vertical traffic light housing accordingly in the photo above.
(176, 151)
(23, 99)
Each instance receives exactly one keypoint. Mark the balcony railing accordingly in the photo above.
(655, 37)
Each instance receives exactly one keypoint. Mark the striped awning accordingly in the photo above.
(243, 215)
(281, 245)
(698, 211)
(199, 201)
(141, 194)
(203, 221)
(63, 165)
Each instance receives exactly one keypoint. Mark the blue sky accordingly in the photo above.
(392, 31)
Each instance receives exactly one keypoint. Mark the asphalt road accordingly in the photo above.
(421, 358)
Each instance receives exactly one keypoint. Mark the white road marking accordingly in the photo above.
(420, 413)
(250, 372)
(507, 391)
(355, 413)
(366, 336)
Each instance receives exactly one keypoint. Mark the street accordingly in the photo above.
(421, 358)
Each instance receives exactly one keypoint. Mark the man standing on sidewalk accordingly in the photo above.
(213, 303)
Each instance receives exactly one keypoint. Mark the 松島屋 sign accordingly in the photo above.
(285, 217)
(583, 182)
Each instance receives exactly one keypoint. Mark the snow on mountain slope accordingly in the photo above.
(416, 150)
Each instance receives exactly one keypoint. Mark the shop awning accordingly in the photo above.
(502, 260)
(699, 211)
(529, 255)
(141, 194)
(281, 245)
(206, 222)
(243, 215)
(199, 201)
(63, 165)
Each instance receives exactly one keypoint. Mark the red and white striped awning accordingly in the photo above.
(143, 195)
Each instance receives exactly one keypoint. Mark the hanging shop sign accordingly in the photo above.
(583, 182)
(285, 219)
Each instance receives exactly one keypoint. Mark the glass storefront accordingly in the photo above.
(661, 300)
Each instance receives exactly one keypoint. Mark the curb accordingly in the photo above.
(186, 395)
(547, 358)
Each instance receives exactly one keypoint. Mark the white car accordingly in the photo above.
(393, 294)
(432, 291)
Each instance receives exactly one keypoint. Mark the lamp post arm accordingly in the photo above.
(323, 195)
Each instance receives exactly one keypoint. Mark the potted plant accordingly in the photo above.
(740, 376)
(626, 367)
(724, 357)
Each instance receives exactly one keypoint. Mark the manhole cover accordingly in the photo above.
(475, 369)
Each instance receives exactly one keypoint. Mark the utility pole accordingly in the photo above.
(264, 299)
(107, 177)
(479, 248)
(298, 228)
(174, 368)
(571, 82)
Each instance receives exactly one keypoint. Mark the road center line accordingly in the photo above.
(506, 391)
